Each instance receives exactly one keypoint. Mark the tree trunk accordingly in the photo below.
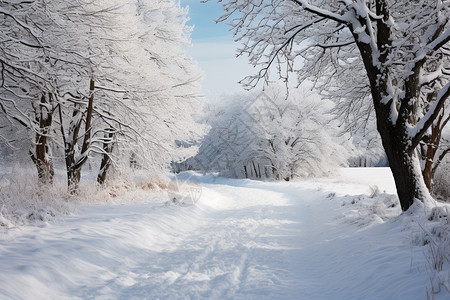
(254, 168)
(404, 164)
(73, 181)
(74, 162)
(428, 167)
(407, 175)
(70, 144)
(432, 158)
(403, 161)
(42, 157)
(74, 172)
(106, 157)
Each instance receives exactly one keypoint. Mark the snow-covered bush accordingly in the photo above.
(24, 202)
(271, 135)
(372, 208)
(128, 185)
(437, 239)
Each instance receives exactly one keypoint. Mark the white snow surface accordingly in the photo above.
(307, 239)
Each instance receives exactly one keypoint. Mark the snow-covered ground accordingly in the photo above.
(338, 238)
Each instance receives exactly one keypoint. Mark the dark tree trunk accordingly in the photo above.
(42, 157)
(73, 180)
(74, 177)
(406, 172)
(431, 148)
(106, 157)
(403, 160)
(74, 162)
(70, 143)
(255, 170)
(432, 160)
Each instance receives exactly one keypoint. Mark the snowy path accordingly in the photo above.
(242, 240)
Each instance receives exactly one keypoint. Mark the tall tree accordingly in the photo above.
(398, 43)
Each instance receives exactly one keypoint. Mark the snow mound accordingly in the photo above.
(366, 210)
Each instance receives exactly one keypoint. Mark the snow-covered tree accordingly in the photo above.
(271, 135)
(231, 145)
(109, 77)
(350, 89)
(163, 87)
(399, 44)
(26, 79)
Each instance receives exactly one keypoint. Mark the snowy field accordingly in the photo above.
(330, 238)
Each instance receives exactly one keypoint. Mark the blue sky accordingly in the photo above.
(202, 16)
(214, 49)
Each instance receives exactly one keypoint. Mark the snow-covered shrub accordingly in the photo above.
(271, 135)
(372, 208)
(437, 237)
(24, 202)
(126, 185)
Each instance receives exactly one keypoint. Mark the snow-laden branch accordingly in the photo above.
(322, 12)
(111, 89)
(417, 132)
(430, 77)
(440, 41)
(24, 25)
(334, 45)
(20, 117)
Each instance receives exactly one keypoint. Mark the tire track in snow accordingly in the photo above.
(222, 238)
(246, 236)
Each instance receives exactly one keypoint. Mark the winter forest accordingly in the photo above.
(324, 175)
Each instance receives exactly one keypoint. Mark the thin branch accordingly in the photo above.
(321, 12)
(424, 123)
